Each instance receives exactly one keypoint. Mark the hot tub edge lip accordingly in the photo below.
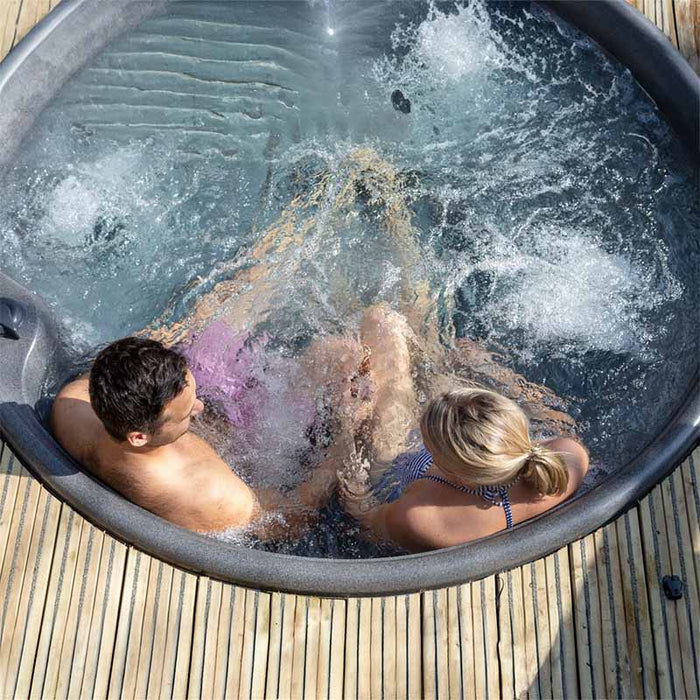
(223, 561)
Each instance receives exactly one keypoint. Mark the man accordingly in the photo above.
(128, 423)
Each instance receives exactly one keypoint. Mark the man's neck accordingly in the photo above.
(146, 451)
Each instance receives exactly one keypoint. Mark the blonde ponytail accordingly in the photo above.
(481, 438)
(545, 470)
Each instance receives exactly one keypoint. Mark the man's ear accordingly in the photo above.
(137, 439)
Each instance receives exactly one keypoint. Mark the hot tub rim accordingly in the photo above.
(528, 541)
(533, 539)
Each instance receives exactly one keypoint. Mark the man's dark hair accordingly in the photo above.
(131, 380)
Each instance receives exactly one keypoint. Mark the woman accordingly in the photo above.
(477, 471)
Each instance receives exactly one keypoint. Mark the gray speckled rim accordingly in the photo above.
(676, 89)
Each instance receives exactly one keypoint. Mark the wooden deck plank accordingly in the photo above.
(515, 594)
(30, 13)
(477, 611)
(489, 598)
(441, 648)
(185, 638)
(287, 651)
(299, 645)
(453, 643)
(669, 27)
(165, 687)
(505, 645)
(313, 641)
(210, 647)
(692, 497)
(567, 635)
(324, 648)
(595, 622)
(415, 675)
(389, 649)
(402, 648)
(612, 688)
(219, 657)
(688, 610)
(11, 475)
(352, 630)
(429, 660)
(532, 658)
(194, 685)
(581, 618)
(556, 629)
(337, 660)
(541, 609)
(619, 628)
(275, 647)
(262, 641)
(687, 20)
(466, 637)
(236, 641)
(248, 652)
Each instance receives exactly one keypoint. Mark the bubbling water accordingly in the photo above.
(531, 200)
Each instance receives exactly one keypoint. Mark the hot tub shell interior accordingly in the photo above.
(32, 75)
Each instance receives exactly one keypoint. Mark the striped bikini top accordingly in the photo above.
(413, 466)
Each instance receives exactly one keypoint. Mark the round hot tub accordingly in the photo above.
(239, 86)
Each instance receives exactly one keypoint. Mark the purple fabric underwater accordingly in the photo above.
(227, 368)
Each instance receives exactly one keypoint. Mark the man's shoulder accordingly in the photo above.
(198, 490)
(78, 388)
(73, 422)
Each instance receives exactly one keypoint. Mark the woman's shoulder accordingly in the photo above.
(422, 519)
(574, 453)
(568, 447)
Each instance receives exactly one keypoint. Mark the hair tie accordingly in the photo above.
(535, 451)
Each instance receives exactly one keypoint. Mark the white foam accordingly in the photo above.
(111, 183)
(564, 287)
(72, 209)
(448, 48)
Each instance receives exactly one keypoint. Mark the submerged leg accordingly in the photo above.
(394, 404)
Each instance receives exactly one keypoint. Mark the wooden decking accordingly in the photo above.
(679, 20)
(82, 615)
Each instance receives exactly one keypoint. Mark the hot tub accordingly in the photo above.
(34, 74)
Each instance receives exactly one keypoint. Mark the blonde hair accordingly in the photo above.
(482, 438)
